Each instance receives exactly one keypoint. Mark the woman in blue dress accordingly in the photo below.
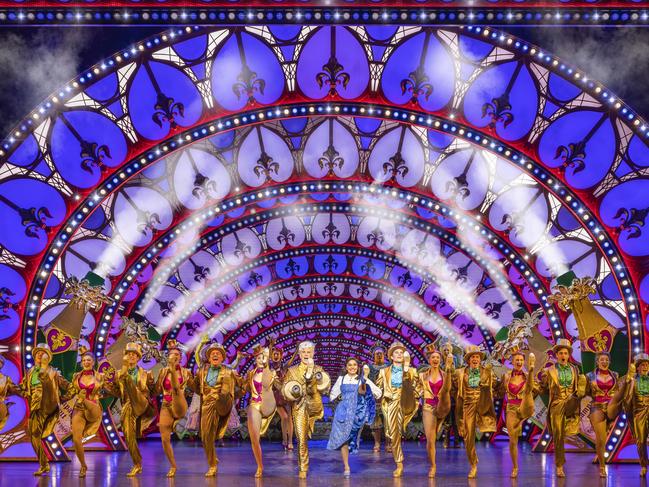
(353, 411)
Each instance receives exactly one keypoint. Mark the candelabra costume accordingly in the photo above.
(636, 405)
(353, 411)
(86, 388)
(172, 381)
(283, 406)
(518, 388)
(260, 382)
(41, 386)
(303, 385)
(602, 385)
(7, 387)
(566, 386)
(401, 390)
(436, 387)
(474, 402)
(134, 387)
(216, 385)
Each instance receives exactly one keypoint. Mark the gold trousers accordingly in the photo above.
(560, 427)
(213, 428)
(640, 428)
(39, 423)
(393, 423)
(302, 426)
(469, 421)
(130, 429)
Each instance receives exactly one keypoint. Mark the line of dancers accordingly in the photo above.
(367, 394)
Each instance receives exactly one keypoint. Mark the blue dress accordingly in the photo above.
(351, 415)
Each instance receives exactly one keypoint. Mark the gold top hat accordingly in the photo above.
(431, 349)
(640, 357)
(562, 343)
(42, 347)
(133, 347)
(214, 346)
(258, 349)
(395, 346)
(473, 350)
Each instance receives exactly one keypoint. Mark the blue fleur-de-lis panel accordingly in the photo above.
(345, 226)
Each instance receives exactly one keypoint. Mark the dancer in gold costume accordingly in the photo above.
(260, 382)
(86, 387)
(401, 390)
(436, 386)
(41, 386)
(566, 386)
(518, 387)
(283, 406)
(172, 381)
(7, 387)
(303, 386)
(216, 385)
(636, 405)
(134, 386)
(602, 386)
(474, 404)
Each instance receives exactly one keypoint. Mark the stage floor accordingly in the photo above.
(237, 466)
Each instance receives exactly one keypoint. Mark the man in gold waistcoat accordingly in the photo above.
(303, 386)
(401, 389)
(566, 386)
(134, 387)
(216, 384)
(474, 404)
(41, 387)
(636, 405)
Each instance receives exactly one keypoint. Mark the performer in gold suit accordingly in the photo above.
(401, 390)
(602, 385)
(518, 388)
(566, 386)
(260, 382)
(436, 386)
(134, 387)
(303, 386)
(474, 403)
(86, 387)
(216, 385)
(172, 381)
(7, 387)
(41, 386)
(636, 405)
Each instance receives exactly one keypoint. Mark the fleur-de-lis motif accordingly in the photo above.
(255, 279)
(331, 231)
(396, 165)
(493, 309)
(291, 267)
(514, 221)
(362, 291)
(145, 220)
(574, 154)
(202, 184)
(286, 235)
(498, 110)
(32, 218)
(241, 248)
(200, 272)
(265, 164)
(467, 329)
(437, 300)
(166, 307)
(191, 327)
(459, 185)
(633, 220)
(461, 274)
(330, 287)
(331, 158)
(376, 236)
(93, 155)
(166, 109)
(418, 83)
(368, 267)
(247, 81)
(330, 264)
(297, 291)
(333, 73)
(405, 279)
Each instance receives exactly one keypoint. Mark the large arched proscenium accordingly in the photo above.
(199, 129)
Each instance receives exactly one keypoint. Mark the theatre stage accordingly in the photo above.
(237, 466)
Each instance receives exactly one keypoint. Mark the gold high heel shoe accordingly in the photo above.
(82, 471)
(171, 472)
(211, 472)
(134, 471)
(398, 472)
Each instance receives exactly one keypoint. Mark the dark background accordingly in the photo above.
(35, 61)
